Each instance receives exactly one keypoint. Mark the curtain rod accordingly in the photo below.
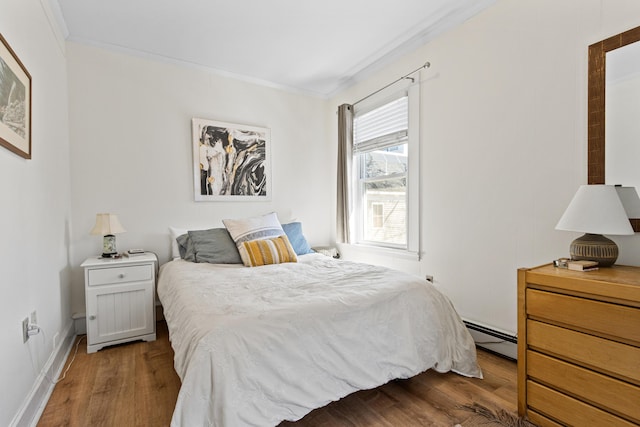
(426, 65)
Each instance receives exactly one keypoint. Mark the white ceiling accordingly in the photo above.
(316, 47)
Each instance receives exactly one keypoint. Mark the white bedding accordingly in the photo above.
(255, 346)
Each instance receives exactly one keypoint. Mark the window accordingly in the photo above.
(377, 215)
(383, 181)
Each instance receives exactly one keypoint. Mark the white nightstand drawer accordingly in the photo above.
(106, 276)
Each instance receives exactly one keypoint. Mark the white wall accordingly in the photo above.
(35, 214)
(131, 151)
(503, 145)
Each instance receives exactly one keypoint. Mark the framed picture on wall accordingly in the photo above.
(230, 161)
(15, 102)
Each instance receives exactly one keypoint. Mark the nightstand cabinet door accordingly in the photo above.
(119, 311)
(120, 300)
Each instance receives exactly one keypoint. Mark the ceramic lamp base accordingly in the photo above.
(594, 247)
(109, 246)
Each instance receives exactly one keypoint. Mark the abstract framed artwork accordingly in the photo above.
(15, 102)
(231, 162)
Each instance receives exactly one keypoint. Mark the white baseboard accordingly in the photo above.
(34, 404)
(493, 340)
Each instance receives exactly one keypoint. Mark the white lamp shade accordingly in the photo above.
(107, 224)
(630, 201)
(596, 209)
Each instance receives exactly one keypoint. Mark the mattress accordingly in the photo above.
(258, 345)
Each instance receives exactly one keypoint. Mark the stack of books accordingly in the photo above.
(583, 265)
(134, 252)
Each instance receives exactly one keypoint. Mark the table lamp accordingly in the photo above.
(630, 200)
(595, 210)
(107, 225)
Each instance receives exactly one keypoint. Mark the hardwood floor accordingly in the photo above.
(135, 385)
(125, 385)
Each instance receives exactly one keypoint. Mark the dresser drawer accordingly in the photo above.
(610, 357)
(611, 320)
(568, 410)
(105, 276)
(605, 392)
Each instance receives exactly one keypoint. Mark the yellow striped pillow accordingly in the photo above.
(269, 251)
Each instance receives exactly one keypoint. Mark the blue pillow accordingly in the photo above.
(293, 230)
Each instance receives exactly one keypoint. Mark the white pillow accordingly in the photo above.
(254, 228)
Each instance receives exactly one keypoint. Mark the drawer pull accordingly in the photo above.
(92, 317)
(121, 276)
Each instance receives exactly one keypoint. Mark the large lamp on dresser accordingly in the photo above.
(595, 210)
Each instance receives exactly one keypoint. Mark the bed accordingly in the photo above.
(258, 345)
(265, 330)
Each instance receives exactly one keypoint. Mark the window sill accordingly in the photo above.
(404, 254)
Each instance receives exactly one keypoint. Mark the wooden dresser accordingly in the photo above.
(579, 346)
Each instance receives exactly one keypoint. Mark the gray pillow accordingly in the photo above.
(214, 246)
(185, 247)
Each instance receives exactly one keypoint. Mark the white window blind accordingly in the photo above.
(382, 127)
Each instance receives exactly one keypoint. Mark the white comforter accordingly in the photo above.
(255, 346)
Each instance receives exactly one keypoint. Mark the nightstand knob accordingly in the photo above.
(121, 276)
(92, 317)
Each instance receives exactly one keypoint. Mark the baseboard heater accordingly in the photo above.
(494, 341)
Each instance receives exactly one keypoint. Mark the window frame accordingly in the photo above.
(358, 219)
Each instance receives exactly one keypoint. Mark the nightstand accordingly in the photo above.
(120, 300)
(331, 251)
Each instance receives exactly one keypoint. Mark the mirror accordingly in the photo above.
(622, 114)
(597, 104)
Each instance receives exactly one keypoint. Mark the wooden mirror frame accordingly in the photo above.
(596, 105)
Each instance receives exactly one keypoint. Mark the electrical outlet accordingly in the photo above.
(33, 318)
(25, 329)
